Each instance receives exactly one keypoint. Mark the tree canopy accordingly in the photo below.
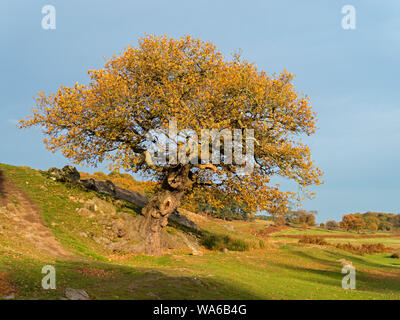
(190, 82)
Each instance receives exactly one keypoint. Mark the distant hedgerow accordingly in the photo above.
(313, 240)
(365, 248)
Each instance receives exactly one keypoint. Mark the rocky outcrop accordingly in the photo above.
(76, 294)
(107, 187)
(66, 174)
(120, 231)
(71, 175)
(133, 197)
(182, 220)
(97, 205)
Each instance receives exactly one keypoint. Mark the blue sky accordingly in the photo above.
(351, 76)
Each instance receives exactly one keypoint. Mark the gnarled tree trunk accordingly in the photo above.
(161, 205)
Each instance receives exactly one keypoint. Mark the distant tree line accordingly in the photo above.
(301, 217)
(370, 221)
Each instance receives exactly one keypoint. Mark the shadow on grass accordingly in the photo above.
(219, 241)
(108, 281)
(375, 281)
(344, 255)
(365, 282)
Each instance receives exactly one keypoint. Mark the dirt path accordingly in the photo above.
(27, 220)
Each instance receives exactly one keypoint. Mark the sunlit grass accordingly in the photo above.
(279, 269)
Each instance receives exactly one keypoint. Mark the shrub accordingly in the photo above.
(302, 216)
(352, 222)
(279, 221)
(331, 225)
(312, 240)
(365, 248)
(219, 242)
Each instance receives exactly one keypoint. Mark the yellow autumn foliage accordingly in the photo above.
(189, 81)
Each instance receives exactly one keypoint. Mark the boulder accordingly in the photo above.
(89, 184)
(182, 220)
(98, 205)
(76, 294)
(85, 212)
(71, 175)
(66, 174)
(106, 187)
(119, 228)
(136, 198)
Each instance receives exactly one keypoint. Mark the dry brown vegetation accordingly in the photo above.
(360, 249)
(313, 240)
(6, 287)
(365, 248)
(270, 230)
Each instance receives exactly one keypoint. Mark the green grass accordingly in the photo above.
(390, 242)
(59, 212)
(279, 268)
(309, 231)
(214, 241)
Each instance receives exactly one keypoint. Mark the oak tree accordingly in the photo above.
(331, 225)
(190, 82)
(352, 222)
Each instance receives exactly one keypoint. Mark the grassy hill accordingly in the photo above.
(256, 265)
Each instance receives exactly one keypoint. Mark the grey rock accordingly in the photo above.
(84, 212)
(89, 184)
(76, 294)
(66, 174)
(119, 228)
(98, 205)
(182, 220)
(106, 187)
(136, 198)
